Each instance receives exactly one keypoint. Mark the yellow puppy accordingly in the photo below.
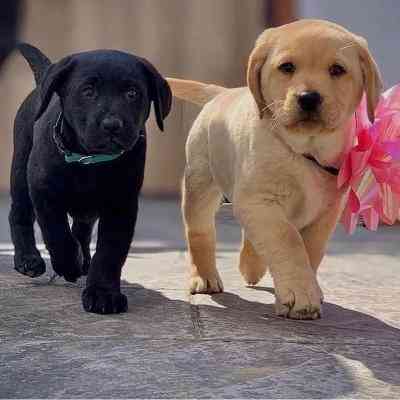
(272, 149)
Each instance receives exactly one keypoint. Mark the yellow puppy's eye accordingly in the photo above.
(336, 70)
(287, 68)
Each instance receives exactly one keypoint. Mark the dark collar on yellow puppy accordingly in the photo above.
(331, 170)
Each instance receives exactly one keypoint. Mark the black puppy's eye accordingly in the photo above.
(89, 91)
(287, 68)
(132, 94)
(336, 70)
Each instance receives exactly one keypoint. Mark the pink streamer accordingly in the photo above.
(370, 169)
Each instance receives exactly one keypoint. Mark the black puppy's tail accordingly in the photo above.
(36, 60)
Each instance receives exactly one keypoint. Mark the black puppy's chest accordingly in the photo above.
(90, 189)
(88, 181)
(86, 192)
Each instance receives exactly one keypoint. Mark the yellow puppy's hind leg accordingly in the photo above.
(250, 265)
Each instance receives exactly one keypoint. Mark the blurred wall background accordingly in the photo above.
(207, 40)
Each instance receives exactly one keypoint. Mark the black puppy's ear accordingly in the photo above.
(160, 93)
(53, 78)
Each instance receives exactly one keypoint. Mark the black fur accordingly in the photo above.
(90, 89)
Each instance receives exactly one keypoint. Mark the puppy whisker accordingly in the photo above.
(268, 106)
(347, 46)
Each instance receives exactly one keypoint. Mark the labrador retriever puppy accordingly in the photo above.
(79, 151)
(274, 148)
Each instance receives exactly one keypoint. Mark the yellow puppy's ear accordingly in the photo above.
(256, 61)
(372, 78)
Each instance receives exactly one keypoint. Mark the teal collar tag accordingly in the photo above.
(92, 159)
(71, 157)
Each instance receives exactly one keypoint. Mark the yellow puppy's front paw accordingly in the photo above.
(210, 284)
(299, 300)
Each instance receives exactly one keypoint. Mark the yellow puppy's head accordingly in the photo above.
(309, 76)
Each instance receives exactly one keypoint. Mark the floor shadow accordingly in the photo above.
(349, 333)
(341, 331)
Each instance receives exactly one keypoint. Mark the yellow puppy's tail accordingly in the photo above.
(195, 92)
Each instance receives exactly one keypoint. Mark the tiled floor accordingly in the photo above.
(172, 345)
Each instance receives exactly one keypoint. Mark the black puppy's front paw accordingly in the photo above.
(71, 268)
(31, 265)
(104, 301)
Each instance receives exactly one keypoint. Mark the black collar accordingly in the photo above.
(59, 137)
(331, 170)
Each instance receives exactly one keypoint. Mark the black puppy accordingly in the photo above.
(79, 150)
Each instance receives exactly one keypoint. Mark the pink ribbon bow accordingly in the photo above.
(371, 168)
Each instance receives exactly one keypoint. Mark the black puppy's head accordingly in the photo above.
(106, 97)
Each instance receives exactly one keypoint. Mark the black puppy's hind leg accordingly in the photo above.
(27, 259)
(82, 231)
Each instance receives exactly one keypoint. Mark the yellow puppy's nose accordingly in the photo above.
(309, 100)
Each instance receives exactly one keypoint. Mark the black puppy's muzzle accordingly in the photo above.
(111, 125)
(309, 101)
(117, 135)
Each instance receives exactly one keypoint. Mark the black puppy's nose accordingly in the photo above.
(111, 125)
(309, 101)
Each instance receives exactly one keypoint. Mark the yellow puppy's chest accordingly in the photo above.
(257, 169)
(314, 195)
(303, 192)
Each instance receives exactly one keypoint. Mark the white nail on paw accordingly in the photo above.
(212, 284)
(299, 301)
